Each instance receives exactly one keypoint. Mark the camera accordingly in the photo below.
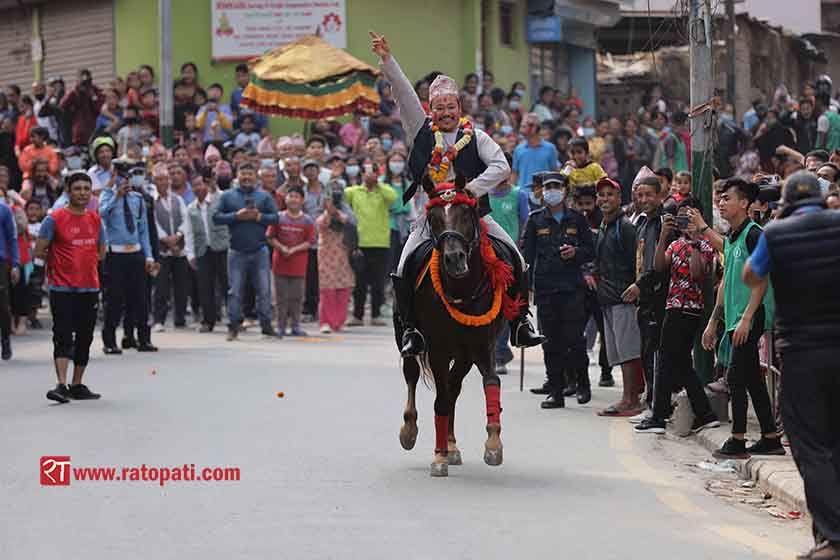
(682, 222)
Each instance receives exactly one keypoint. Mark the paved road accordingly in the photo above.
(322, 472)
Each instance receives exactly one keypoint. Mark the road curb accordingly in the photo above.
(776, 475)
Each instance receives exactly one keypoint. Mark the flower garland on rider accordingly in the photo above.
(441, 160)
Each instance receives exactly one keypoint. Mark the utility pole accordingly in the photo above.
(166, 101)
(730, 55)
(702, 155)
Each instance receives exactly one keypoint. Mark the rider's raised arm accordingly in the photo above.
(493, 157)
(411, 111)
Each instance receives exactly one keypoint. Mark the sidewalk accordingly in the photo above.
(776, 475)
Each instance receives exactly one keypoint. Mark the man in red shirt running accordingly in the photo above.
(72, 241)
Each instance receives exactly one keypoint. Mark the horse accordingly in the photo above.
(460, 317)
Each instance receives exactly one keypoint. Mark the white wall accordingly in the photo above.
(803, 16)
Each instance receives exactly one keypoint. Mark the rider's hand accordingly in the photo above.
(379, 45)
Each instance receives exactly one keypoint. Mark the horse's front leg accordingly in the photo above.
(443, 407)
(456, 377)
(408, 431)
(492, 396)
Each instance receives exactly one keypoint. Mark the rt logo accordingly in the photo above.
(55, 470)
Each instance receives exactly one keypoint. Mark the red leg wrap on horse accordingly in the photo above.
(441, 434)
(492, 395)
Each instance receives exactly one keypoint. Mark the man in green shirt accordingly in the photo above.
(744, 312)
(371, 203)
(510, 210)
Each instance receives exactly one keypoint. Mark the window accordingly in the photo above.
(506, 23)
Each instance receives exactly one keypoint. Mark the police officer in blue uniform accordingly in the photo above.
(557, 244)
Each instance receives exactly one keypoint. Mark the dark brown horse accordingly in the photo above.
(452, 348)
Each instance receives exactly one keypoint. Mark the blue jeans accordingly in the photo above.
(257, 266)
(504, 355)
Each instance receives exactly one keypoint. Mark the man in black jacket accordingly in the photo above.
(801, 254)
(651, 287)
(556, 245)
(615, 257)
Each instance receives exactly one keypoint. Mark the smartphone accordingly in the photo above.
(250, 204)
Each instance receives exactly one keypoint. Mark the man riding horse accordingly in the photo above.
(442, 145)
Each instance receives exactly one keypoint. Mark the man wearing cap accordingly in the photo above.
(129, 258)
(102, 174)
(801, 253)
(482, 163)
(557, 244)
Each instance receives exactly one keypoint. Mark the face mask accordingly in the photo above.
(554, 197)
(387, 144)
(396, 167)
(136, 181)
(506, 129)
(74, 162)
(534, 200)
(268, 162)
(365, 122)
(146, 151)
(520, 92)
(588, 132)
(514, 105)
(824, 185)
(352, 170)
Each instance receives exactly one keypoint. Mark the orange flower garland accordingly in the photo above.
(458, 316)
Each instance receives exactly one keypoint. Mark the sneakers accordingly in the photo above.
(701, 424)
(325, 329)
(355, 322)
(639, 418)
(232, 335)
(146, 347)
(767, 446)
(279, 333)
(826, 550)
(297, 331)
(732, 449)
(60, 394)
(80, 392)
(650, 426)
(501, 369)
(158, 328)
(606, 380)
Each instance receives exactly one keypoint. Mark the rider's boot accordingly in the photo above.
(413, 342)
(522, 334)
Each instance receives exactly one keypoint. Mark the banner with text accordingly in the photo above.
(245, 29)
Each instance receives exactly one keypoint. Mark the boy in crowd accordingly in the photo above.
(582, 170)
(291, 238)
(745, 313)
(34, 218)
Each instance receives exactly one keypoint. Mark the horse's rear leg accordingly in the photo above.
(456, 377)
(408, 431)
(492, 397)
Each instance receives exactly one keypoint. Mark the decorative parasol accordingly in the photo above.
(311, 79)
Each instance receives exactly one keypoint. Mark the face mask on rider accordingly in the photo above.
(554, 197)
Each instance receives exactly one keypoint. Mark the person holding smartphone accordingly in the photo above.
(687, 260)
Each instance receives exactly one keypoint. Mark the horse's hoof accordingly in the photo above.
(440, 469)
(493, 457)
(454, 457)
(408, 436)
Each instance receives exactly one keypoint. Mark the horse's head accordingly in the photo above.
(454, 222)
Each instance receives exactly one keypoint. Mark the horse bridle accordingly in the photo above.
(448, 196)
